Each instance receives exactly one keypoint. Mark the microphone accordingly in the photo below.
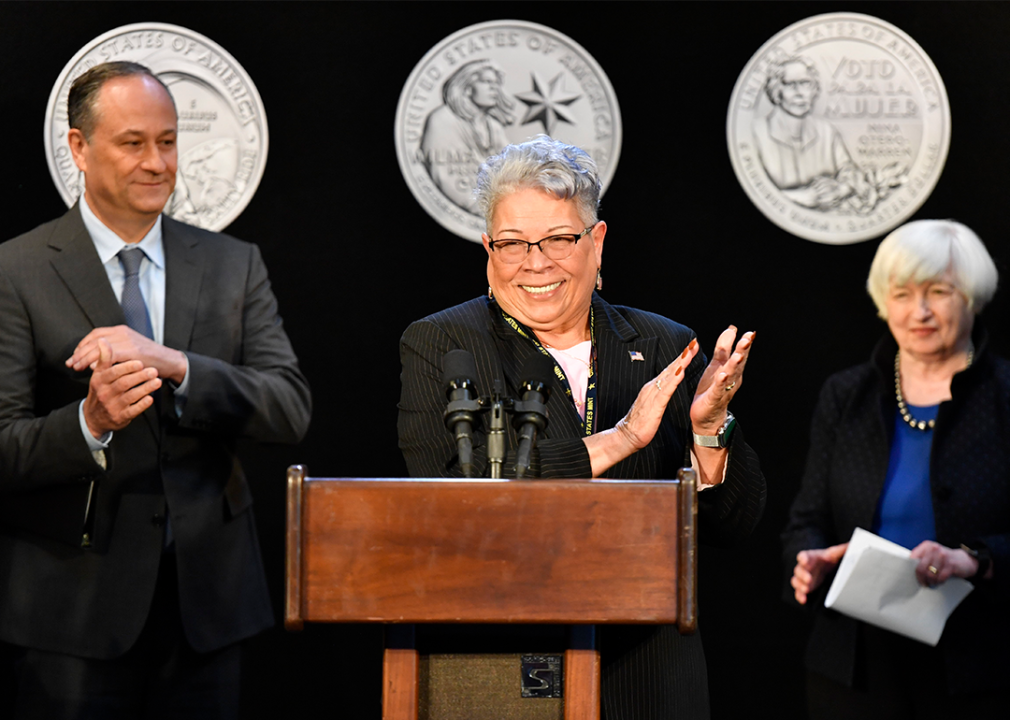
(530, 414)
(458, 373)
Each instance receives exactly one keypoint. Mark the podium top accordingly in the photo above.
(484, 551)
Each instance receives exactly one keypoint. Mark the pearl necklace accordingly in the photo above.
(903, 407)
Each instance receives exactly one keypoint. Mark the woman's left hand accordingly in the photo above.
(720, 381)
(938, 562)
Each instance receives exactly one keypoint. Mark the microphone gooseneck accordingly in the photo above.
(459, 371)
(529, 415)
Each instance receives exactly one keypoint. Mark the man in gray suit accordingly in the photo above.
(135, 351)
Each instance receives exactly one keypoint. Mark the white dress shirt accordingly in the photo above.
(152, 288)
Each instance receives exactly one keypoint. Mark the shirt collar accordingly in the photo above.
(108, 244)
(779, 131)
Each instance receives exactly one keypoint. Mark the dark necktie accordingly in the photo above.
(135, 310)
(133, 304)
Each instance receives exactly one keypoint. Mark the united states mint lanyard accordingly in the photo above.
(589, 424)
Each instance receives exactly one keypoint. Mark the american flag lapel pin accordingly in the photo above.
(635, 355)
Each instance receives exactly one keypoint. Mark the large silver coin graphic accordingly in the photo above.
(838, 128)
(222, 126)
(489, 85)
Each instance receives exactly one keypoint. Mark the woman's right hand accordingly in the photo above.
(641, 423)
(812, 566)
(636, 429)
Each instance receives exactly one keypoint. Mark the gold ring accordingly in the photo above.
(933, 570)
(730, 386)
(659, 384)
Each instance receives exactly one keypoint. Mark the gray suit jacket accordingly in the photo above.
(648, 672)
(244, 382)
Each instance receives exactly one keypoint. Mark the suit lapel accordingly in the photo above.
(183, 278)
(620, 377)
(513, 349)
(77, 263)
(75, 260)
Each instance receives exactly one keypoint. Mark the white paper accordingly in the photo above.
(876, 583)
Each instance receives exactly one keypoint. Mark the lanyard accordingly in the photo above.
(589, 424)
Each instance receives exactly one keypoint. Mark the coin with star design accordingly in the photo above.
(489, 85)
(222, 135)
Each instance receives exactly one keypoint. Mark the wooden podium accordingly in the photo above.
(578, 552)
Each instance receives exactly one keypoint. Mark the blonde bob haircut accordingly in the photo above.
(924, 250)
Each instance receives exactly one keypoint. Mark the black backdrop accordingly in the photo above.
(353, 258)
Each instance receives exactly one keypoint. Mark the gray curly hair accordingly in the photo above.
(543, 163)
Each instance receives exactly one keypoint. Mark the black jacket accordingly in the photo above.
(648, 672)
(850, 443)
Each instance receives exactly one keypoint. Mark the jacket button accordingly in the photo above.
(158, 520)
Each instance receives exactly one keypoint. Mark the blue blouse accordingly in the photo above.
(905, 508)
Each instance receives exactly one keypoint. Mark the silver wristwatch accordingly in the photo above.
(721, 438)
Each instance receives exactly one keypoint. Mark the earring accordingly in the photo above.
(490, 293)
(599, 279)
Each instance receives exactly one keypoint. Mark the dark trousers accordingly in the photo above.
(161, 676)
(898, 678)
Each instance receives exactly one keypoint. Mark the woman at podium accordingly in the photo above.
(912, 446)
(630, 396)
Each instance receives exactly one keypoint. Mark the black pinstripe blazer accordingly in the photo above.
(649, 672)
(969, 476)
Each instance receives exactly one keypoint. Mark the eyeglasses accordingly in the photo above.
(799, 84)
(555, 247)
